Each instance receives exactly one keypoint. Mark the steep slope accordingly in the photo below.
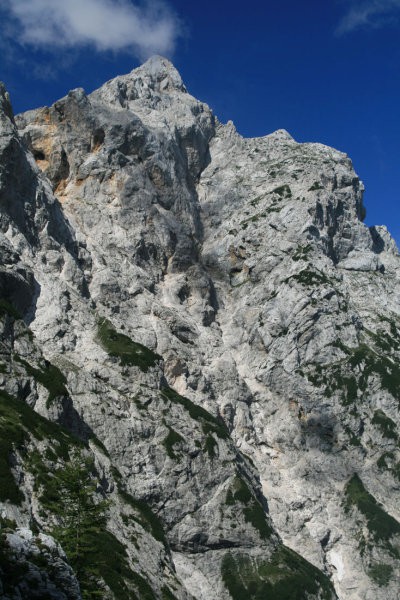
(265, 321)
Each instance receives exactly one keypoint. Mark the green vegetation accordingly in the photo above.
(388, 462)
(365, 359)
(93, 552)
(380, 525)
(239, 492)
(169, 442)
(386, 341)
(17, 422)
(143, 589)
(283, 191)
(210, 446)
(309, 277)
(256, 201)
(385, 424)
(381, 574)
(147, 518)
(8, 524)
(12, 436)
(81, 521)
(286, 576)
(121, 346)
(302, 252)
(8, 309)
(253, 511)
(167, 594)
(66, 492)
(258, 216)
(50, 377)
(382, 462)
(351, 376)
(316, 186)
(210, 424)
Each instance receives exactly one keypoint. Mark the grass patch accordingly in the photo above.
(210, 423)
(255, 201)
(386, 341)
(126, 350)
(143, 589)
(352, 374)
(283, 191)
(381, 574)
(170, 441)
(166, 594)
(316, 186)
(50, 377)
(17, 422)
(253, 511)
(210, 446)
(382, 527)
(147, 518)
(286, 576)
(302, 252)
(388, 462)
(385, 424)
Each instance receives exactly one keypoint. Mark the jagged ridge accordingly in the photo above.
(244, 275)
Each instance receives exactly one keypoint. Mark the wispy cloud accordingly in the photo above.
(116, 25)
(363, 14)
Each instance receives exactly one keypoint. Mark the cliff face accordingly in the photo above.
(206, 319)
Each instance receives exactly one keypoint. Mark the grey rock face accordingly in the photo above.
(226, 333)
(36, 567)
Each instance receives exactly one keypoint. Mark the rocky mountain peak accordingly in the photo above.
(213, 349)
(160, 71)
(153, 82)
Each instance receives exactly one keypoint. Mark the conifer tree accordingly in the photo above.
(80, 521)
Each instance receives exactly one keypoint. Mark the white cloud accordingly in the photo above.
(363, 14)
(117, 25)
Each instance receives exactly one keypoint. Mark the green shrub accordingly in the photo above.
(316, 186)
(18, 422)
(169, 442)
(382, 527)
(167, 594)
(210, 424)
(148, 519)
(381, 574)
(210, 446)
(302, 252)
(285, 576)
(8, 309)
(50, 377)
(385, 424)
(309, 277)
(283, 191)
(253, 511)
(122, 347)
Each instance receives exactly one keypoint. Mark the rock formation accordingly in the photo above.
(205, 322)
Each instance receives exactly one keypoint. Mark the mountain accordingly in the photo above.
(199, 358)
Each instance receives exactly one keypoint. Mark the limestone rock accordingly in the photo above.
(213, 321)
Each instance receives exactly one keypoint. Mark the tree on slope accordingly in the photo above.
(81, 520)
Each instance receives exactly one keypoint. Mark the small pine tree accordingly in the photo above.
(80, 521)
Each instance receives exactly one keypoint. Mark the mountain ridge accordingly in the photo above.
(222, 330)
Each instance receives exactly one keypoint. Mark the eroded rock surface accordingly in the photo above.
(223, 332)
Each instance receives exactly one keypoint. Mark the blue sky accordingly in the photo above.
(325, 71)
